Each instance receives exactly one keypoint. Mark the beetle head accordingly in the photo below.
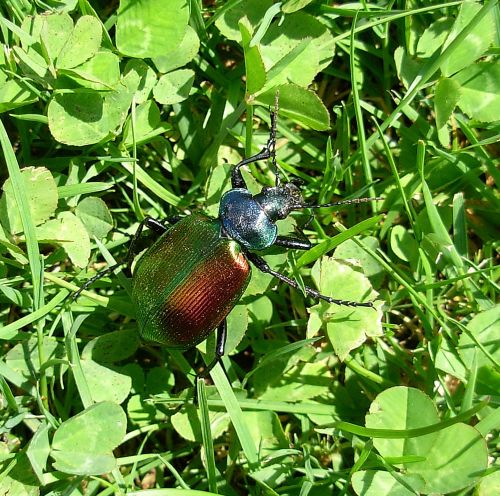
(279, 201)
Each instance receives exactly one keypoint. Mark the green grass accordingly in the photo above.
(110, 114)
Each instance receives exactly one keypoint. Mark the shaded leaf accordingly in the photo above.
(105, 382)
(94, 214)
(14, 94)
(404, 245)
(480, 91)
(52, 30)
(178, 55)
(139, 79)
(347, 327)
(83, 43)
(407, 67)
(39, 449)
(294, 5)
(146, 124)
(41, 191)
(83, 444)
(374, 483)
(150, 28)
(174, 87)
(68, 231)
(187, 424)
(85, 117)
(252, 10)
(446, 98)
(454, 456)
(474, 44)
(101, 72)
(300, 46)
(302, 105)
(112, 347)
(433, 37)
(254, 66)
(484, 329)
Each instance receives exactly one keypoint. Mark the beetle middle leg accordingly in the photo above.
(92, 280)
(292, 243)
(262, 265)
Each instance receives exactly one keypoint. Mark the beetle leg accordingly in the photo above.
(269, 151)
(262, 265)
(151, 223)
(293, 243)
(92, 280)
(220, 347)
(237, 180)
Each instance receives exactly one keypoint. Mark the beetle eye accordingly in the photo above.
(297, 181)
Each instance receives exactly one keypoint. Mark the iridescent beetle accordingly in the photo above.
(187, 282)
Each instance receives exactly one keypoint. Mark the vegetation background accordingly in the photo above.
(112, 111)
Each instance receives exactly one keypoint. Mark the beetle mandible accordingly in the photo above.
(186, 283)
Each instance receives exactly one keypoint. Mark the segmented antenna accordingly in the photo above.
(334, 204)
(272, 138)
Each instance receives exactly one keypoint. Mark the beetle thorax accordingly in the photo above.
(251, 220)
(244, 220)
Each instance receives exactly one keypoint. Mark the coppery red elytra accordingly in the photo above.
(186, 283)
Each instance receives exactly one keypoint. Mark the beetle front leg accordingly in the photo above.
(237, 180)
(269, 151)
(262, 265)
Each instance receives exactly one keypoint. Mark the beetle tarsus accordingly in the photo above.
(95, 278)
(269, 151)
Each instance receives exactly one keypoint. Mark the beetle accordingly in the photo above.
(186, 283)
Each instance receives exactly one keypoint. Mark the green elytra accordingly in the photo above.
(187, 282)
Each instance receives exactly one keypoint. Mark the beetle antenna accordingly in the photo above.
(272, 137)
(334, 204)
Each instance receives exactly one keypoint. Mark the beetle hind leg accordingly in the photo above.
(149, 222)
(220, 348)
(95, 278)
(152, 224)
(262, 265)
